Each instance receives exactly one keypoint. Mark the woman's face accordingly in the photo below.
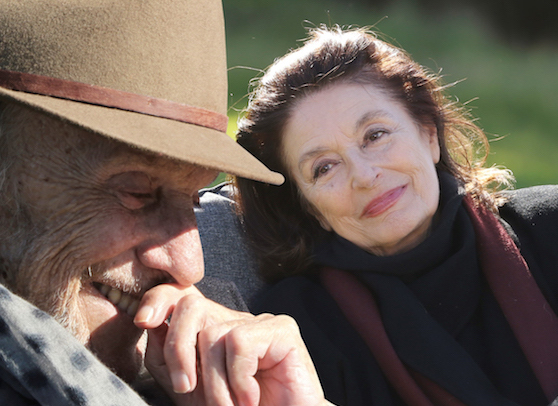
(365, 166)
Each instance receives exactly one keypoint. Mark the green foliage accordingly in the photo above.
(512, 89)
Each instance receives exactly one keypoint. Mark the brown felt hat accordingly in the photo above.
(151, 73)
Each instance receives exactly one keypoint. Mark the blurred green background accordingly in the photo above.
(504, 53)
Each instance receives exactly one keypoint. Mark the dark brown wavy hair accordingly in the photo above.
(277, 218)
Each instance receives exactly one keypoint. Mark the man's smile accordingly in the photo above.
(125, 302)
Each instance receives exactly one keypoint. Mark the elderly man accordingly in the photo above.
(112, 117)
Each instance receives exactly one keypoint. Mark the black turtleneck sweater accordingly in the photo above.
(437, 309)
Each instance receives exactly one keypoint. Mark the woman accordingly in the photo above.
(414, 278)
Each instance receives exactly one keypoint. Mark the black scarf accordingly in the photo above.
(437, 308)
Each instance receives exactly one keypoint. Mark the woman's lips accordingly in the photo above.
(383, 202)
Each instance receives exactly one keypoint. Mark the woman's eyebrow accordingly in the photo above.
(371, 116)
(309, 155)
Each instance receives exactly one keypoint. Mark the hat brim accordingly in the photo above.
(187, 142)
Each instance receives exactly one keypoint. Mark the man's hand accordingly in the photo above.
(211, 355)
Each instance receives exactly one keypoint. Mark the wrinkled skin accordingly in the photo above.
(97, 212)
(366, 168)
(211, 355)
(102, 212)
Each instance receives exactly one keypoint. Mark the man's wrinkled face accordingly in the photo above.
(108, 223)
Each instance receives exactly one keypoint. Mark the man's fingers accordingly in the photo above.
(267, 363)
(159, 302)
(175, 350)
(248, 348)
(192, 316)
(180, 348)
(212, 347)
(239, 358)
(154, 356)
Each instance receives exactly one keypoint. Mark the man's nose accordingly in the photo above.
(174, 246)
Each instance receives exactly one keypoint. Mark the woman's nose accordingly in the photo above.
(363, 173)
(174, 246)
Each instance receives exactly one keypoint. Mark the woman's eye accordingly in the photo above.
(372, 136)
(321, 170)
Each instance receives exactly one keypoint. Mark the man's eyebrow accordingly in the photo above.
(125, 155)
(123, 162)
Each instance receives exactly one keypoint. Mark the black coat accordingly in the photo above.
(453, 292)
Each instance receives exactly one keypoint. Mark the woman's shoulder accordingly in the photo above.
(289, 295)
(532, 216)
(532, 203)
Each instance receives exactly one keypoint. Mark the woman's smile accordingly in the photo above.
(366, 168)
(384, 202)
